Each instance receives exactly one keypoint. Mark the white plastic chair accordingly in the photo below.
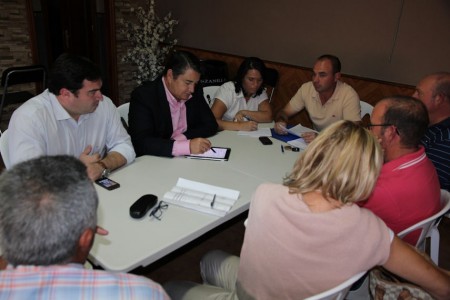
(339, 292)
(366, 109)
(4, 150)
(209, 92)
(271, 81)
(429, 228)
(123, 111)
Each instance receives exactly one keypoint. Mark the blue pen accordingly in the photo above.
(248, 118)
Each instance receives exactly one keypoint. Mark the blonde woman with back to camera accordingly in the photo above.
(307, 235)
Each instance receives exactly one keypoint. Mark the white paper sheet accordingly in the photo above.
(300, 143)
(299, 129)
(202, 197)
(256, 133)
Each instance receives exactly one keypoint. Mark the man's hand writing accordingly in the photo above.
(199, 145)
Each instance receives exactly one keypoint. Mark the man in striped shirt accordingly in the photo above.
(434, 92)
(48, 220)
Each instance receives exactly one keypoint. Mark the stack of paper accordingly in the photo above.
(298, 130)
(202, 197)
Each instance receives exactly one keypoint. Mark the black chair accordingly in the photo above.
(21, 75)
(271, 80)
(214, 72)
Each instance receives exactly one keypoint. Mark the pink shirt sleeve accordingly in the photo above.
(181, 147)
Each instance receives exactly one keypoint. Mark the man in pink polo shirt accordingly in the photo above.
(407, 190)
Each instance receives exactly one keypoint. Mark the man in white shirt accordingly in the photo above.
(71, 117)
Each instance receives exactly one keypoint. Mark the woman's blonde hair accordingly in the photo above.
(343, 162)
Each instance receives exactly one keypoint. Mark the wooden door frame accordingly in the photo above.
(110, 45)
(112, 53)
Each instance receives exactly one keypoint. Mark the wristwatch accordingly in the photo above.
(106, 171)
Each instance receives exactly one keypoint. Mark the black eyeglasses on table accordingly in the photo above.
(158, 210)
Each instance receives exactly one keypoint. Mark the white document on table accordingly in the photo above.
(202, 197)
(299, 143)
(298, 130)
(256, 133)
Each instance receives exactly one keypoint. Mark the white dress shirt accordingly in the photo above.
(41, 126)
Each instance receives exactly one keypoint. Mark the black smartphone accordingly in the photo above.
(107, 183)
(265, 140)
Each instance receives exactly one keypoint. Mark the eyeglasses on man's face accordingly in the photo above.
(158, 210)
(370, 125)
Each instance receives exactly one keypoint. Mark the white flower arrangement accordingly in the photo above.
(151, 42)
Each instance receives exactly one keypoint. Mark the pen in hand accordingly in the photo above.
(212, 149)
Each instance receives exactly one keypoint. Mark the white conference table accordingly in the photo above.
(139, 242)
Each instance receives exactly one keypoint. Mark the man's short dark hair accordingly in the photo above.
(335, 62)
(69, 71)
(180, 61)
(409, 115)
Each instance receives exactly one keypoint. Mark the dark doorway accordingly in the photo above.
(84, 27)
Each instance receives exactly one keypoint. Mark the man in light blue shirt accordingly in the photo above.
(71, 117)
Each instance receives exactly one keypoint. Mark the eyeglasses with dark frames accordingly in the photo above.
(158, 210)
(369, 126)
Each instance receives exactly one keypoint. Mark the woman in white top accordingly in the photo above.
(242, 104)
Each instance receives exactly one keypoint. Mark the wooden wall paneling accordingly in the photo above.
(292, 77)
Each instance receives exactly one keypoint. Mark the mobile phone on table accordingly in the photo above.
(265, 140)
(107, 183)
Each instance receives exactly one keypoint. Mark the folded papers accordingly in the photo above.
(298, 130)
(202, 197)
(293, 137)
